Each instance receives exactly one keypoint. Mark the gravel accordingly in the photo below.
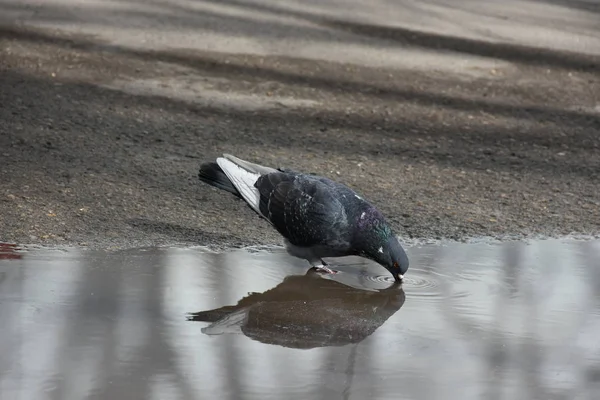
(100, 145)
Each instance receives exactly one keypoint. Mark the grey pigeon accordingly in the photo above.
(326, 313)
(317, 217)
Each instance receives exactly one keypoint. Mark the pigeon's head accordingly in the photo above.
(377, 242)
(392, 256)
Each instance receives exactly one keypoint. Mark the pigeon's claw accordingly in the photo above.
(325, 269)
(322, 267)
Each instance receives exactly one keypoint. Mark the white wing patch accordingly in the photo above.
(358, 197)
(362, 215)
(231, 323)
(243, 181)
(380, 250)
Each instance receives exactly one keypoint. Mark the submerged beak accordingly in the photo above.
(399, 277)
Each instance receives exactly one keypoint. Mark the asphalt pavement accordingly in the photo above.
(458, 119)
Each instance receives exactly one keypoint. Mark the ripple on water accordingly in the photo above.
(422, 285)
(380, 279)
(470, 300)
(419, 284)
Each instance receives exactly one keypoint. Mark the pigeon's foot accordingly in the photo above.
(323, 268)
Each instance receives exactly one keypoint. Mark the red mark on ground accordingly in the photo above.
(9, 251)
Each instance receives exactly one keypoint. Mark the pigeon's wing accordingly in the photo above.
(230, 323)
(303, 209)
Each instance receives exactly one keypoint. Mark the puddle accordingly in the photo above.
(471, 321)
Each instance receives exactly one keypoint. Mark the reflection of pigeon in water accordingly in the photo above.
(305, 312)
(316, 216)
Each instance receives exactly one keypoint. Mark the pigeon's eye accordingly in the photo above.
(395, 265)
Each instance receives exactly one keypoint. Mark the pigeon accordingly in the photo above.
(326, 313)
(317, 217)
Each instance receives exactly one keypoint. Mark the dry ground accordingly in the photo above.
(100, 141)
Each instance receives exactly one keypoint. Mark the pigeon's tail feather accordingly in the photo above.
(251, 167)
(213, 175)
(243, 175)
(211, 315)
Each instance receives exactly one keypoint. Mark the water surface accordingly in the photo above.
(472, 321)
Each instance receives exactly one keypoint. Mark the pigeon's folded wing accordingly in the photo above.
(302, 209)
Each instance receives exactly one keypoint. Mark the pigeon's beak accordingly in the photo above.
(399, 278)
